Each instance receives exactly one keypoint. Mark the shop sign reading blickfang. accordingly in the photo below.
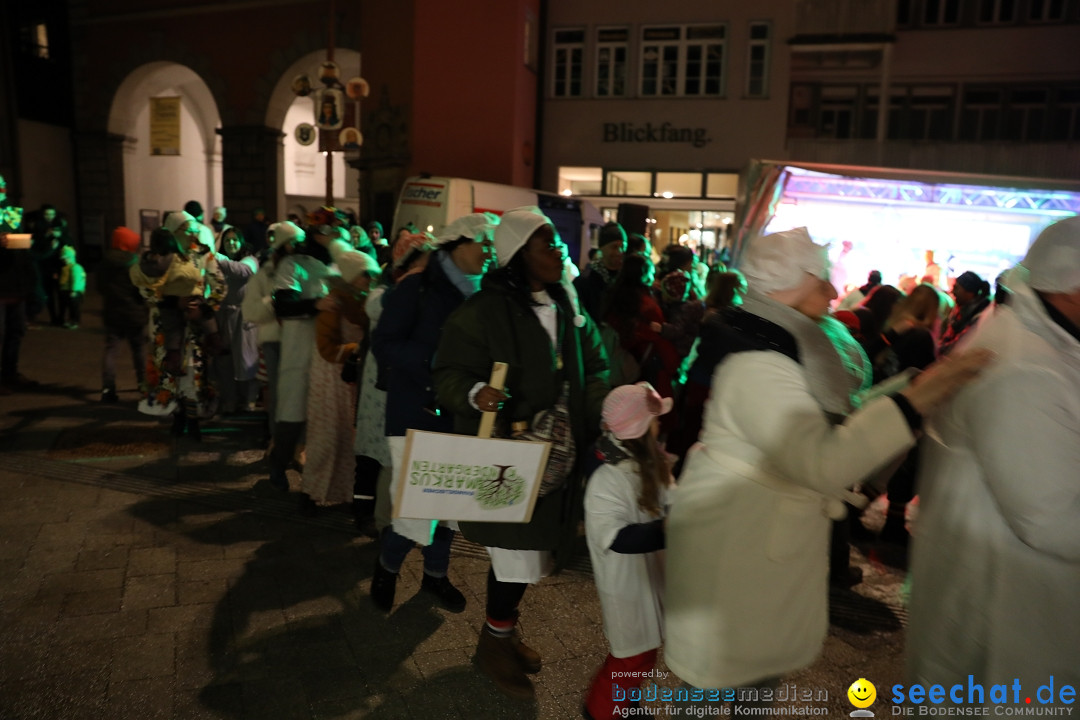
(627, 132)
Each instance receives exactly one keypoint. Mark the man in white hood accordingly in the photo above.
(996, 555)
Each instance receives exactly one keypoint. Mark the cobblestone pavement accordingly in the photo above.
(146, 577)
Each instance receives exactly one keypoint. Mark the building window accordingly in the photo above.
(1025, 117)
(997, 12)
(566, 68)
(35, 40)
(705, 60)
(980, 114)
(673, 184)
(580, 180)
(622, 182)
(757, 72)
(660, 61)
(928, 114)
(683, 61)
(1065, 115)
(836, 112)
(1046, 10)
(801, 115)
(904, 13)
(721, 185)
(941, 12)
(611, 52)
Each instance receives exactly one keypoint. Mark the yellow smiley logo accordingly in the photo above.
(862, 693)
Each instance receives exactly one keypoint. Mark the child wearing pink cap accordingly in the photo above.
(624, 524)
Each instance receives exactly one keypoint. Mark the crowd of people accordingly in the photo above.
(779, 407)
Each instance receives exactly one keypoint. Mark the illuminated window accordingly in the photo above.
(611, 51)
(941, 12)
(721, 185)
(757, 61)
(34, 39)
(42, 35)
(580, 180)
(623, 182)
(567, 58)
(1046, 10)
(670, 184)
(683, 61)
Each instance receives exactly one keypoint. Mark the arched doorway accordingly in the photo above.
(157, 182)
(302, 169)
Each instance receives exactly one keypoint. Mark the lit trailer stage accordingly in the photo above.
(886, 219)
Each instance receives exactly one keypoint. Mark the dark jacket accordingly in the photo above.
(16, 266)
(125, 309)
(960, 320)
(404, 343)
(591, 289)
(498, 325)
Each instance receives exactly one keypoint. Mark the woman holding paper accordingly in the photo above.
(526, 316)
(404, 342)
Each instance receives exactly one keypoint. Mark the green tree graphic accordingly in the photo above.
(505, 489)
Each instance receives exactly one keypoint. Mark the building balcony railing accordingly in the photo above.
(840, 20)
(1060, 161)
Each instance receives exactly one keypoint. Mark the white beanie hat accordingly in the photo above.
(206, 236)
(176, 220)
(1053, 260)
(475, 226)
(353, 262)
(514, 230)
(778, 262)
(284, 232)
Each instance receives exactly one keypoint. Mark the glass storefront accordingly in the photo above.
(695, 209)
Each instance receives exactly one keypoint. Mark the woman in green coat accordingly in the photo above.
(523, 316)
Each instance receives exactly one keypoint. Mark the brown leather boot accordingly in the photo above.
(528, 658)
(497, 657)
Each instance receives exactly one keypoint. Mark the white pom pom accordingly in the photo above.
(579, 321)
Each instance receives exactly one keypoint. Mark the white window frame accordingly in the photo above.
(567, 49)
(612, 46)
(765, 43)
(682, 47)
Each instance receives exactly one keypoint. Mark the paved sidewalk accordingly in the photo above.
(146, 577)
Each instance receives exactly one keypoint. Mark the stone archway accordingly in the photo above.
(302, 170)
(164, 183)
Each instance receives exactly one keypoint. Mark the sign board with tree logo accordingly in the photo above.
(458, 477)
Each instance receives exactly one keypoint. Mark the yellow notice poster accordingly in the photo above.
(165, 126)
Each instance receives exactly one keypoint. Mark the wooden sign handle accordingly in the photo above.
(497, 381)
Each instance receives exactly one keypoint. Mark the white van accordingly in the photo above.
(429, 203)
